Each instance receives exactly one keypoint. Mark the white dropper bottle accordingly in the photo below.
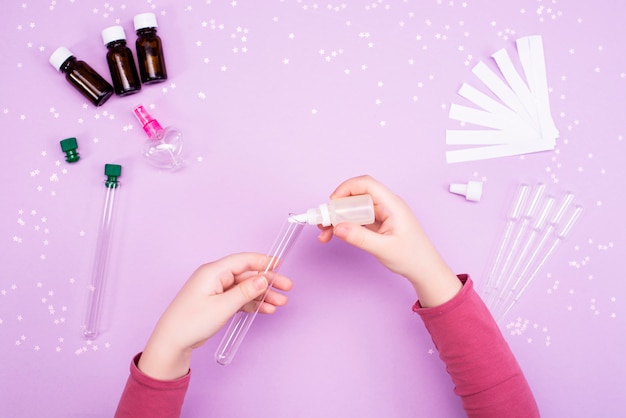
(354, 209)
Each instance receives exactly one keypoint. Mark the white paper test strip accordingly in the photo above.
(530, 50)
(501, 90)
(495, 151)
(520, 122)
(482, 137)
(516, 82)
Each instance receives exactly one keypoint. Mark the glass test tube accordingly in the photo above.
(241, 322)
(91, 327)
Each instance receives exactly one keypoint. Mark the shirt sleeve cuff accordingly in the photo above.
(450, 305)
(153, 383)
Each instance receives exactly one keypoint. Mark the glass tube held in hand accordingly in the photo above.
(240, 323)
(91, 326)
(355, 209)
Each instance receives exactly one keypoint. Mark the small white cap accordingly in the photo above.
(145, 20)
(59, 56)
(472, 191)
(112, 34)
(318, 216)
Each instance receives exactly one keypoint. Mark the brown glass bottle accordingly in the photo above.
(121, 63)
(149, 49)
(84, 78)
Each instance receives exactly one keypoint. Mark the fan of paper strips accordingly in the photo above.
(520, 123)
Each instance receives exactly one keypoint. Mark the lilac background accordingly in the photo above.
(280, 101)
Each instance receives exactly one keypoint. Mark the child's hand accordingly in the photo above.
(214, 293)
(397, 240)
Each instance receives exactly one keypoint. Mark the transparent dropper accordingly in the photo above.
(241, 321)
(507, 276)
(491, 287)
(526, 218)
(552, 226)
(90, 328)
(559, 237)
(536, 229)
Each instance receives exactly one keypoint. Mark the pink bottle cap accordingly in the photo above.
(150, 125)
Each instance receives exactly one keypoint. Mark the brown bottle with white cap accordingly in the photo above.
(80, 75)
(120, 61)
(149, 49)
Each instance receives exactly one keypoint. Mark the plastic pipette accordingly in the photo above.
(492, 279)
(559, 237)
(526, 218)
(507, 276)
(240, 323)
(536, 228)
(552, 226)
(91, 326)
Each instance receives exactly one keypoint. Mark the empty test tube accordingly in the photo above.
(241, 321)
(91, 326)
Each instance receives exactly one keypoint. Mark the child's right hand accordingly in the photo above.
(397, 240)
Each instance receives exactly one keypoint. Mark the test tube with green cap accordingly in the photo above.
(91, 326)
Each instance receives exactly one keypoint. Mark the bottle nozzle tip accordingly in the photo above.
(298, 219)
(148, 123)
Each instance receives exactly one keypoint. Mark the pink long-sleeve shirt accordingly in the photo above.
(484, 371)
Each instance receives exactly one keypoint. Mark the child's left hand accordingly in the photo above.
(213, 293)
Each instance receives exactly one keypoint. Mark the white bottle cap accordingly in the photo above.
(145, 20)
(472, 191)
(59, 56)
(112, 34)
(318, 216)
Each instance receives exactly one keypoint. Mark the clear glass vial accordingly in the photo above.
(150, 56)
(80, 75)
(121, 63)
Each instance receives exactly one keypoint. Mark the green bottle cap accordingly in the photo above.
(69, 147)
(112, 171)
